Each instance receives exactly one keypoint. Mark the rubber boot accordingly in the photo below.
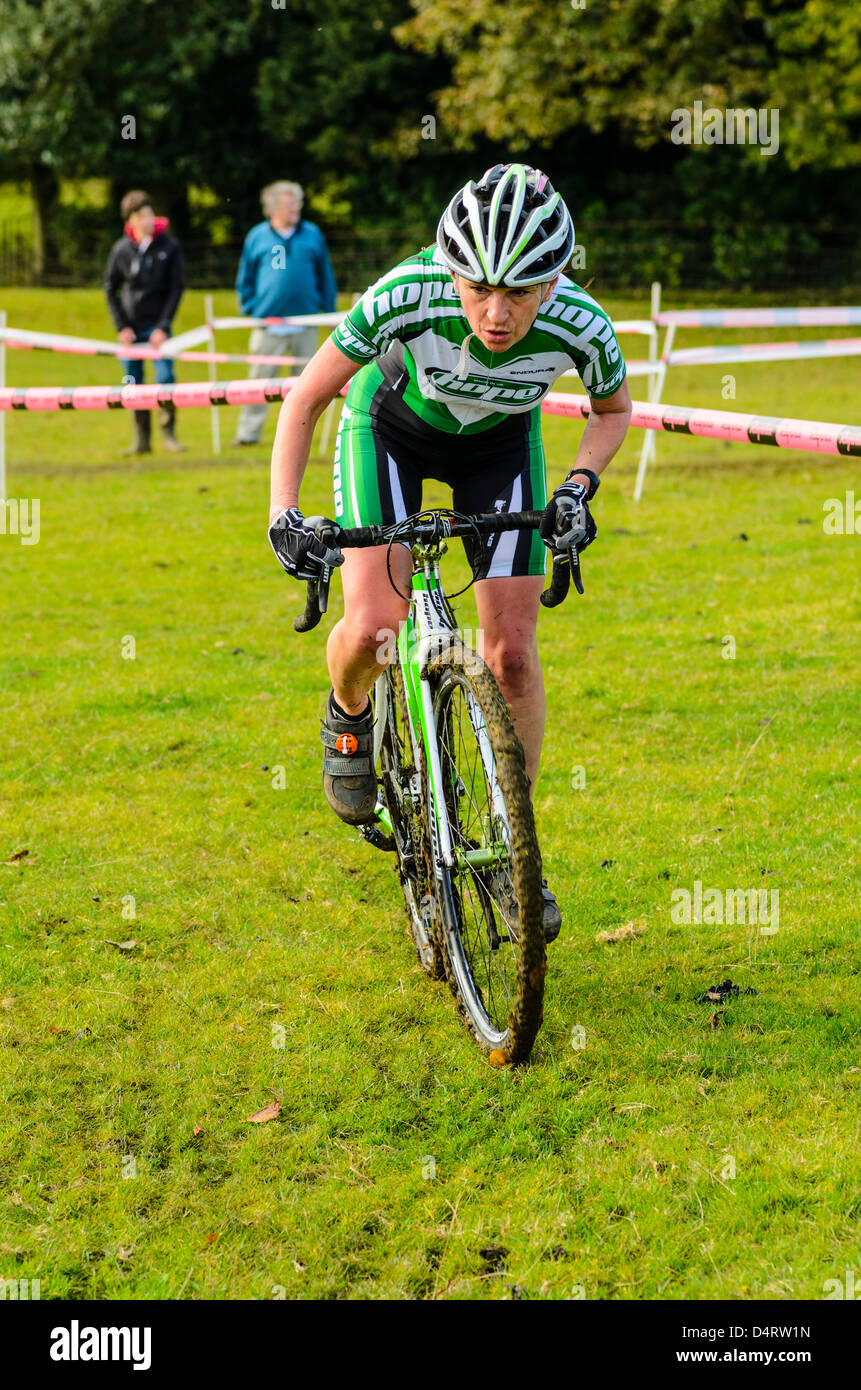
(141, 443)
(167, 420)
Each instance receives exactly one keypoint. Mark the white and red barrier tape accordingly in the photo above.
(818, 436)
(146, 397)
(765, 352)
(137, 352)
(825, 316)
(300, 321)
(815, 435)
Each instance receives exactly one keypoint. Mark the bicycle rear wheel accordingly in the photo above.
(404, 789)
(494, 953)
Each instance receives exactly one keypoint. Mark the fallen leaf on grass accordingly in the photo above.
(197, 1131)
(270, 1112)
(125, 1254)
(716, 1020)
(19, 854)
(213, 1236)
(122, 945)
(626, 933)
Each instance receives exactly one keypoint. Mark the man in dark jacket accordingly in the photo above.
(144, 281)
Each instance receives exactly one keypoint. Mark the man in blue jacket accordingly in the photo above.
(284, 270)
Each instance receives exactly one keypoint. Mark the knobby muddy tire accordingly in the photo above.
(462, 666)
(431, 960)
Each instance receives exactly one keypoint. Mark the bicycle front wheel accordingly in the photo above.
(491, 903)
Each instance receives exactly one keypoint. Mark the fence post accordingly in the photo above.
(655, 396)
(2, 412)
(649, 448)
(209, 315)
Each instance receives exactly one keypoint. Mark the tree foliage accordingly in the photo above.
(381, 110)
(530, 71)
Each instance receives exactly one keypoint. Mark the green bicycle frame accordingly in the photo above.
(430, 623)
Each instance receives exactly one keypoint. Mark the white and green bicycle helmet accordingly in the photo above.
(509, 228)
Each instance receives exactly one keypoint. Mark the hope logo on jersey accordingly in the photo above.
(354, 341)
(484, 388)
(434, 378)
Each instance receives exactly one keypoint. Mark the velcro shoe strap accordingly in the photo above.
(332, 740)
(346, 767)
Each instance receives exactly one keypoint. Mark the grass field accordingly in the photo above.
(684, 1151)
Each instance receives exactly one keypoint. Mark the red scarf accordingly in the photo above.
(160, 224)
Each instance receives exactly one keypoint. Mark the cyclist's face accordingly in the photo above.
(499, 316)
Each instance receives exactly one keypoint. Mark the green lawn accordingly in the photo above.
(666, 1158)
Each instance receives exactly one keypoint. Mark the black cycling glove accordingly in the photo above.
(567, 522)
(299, 550)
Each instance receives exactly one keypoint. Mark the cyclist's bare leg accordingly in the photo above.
(373, 613)
(508, 619)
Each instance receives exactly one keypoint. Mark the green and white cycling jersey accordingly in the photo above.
(411, 326)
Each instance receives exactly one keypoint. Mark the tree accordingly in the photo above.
(152, 94)
(530, 72)
(128, 90)
(46, 47)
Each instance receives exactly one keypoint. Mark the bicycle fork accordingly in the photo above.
(428, 626)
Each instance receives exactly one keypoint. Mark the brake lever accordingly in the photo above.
(323, 582)
(576, 572)
(566, 566)
(317, 593)
(327, 533)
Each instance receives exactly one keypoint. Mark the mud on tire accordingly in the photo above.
(499, 988)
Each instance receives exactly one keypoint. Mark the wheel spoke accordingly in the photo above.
(399, 776)
(490, 954)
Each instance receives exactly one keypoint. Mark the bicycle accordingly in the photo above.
(454, 800)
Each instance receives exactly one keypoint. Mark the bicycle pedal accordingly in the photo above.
(375, 837)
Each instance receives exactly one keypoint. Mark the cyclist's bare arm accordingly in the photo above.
(605, 429)
(322, 379)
